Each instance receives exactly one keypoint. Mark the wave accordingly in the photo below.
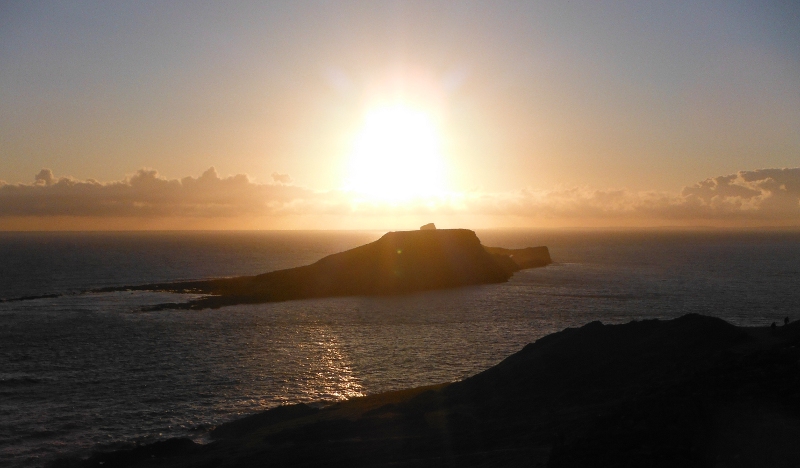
(30, 298)
(21, 380)
(621, 297)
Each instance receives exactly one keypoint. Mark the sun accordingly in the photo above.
(397, 156)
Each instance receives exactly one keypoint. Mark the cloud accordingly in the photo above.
(146, 194)
(764, 193)
(281, 178)
(747, 198)
(767, 195)
(44, 177)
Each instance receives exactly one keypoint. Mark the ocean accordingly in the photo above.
(80, 372)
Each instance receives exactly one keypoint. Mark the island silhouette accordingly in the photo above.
(399, 262)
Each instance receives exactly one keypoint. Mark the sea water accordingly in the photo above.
(92, 371)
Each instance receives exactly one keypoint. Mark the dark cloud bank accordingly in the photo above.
(146, 194)
(768, 196)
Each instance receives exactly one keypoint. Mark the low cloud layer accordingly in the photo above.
(146, 194)
(769, 195)
(760, 197)
(765, 193)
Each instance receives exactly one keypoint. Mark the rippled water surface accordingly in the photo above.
(86, 370)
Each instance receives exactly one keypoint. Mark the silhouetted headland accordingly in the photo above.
(397, 263)
(531, 257)
(690, 392)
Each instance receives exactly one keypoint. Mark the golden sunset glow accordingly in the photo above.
(397, 156)
(387, 115)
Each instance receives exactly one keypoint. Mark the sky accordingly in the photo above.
(388, 115)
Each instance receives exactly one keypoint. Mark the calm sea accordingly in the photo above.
(83, 371)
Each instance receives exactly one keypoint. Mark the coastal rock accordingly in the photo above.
(397, 263)
(530, 257)
(694, 391)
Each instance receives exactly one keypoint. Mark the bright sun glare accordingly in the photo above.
(397, 156)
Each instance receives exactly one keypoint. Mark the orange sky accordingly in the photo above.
(390, 114)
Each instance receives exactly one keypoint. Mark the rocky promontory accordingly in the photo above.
(690, 392)
(397, 263)
(530, 257)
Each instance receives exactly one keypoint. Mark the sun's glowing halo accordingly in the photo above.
(396, 156)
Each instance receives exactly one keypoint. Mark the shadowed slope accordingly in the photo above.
(694, 391)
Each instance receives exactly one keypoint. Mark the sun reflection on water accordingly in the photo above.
(330, 376)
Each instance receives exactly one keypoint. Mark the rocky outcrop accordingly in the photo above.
(530, 257)
(694, 391)
(397, 263)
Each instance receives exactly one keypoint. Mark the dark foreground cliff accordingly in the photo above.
(690, 392)
(399, 262)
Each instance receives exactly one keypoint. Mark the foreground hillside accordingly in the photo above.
(694, 391)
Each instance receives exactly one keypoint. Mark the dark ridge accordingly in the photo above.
(398, 263)
(690, 392)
